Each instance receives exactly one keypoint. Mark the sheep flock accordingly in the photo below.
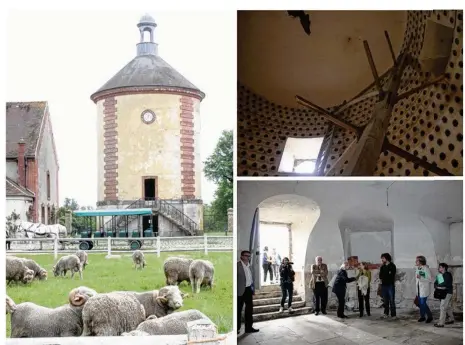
(88, 312)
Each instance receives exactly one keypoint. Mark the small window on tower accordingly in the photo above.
(48, 185)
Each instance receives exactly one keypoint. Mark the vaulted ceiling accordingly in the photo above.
(277, 60)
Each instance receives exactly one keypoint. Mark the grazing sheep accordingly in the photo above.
(138, 259)
(111, 314)
(173, 324)
(135, 333)
(17, 271)
(68, 263)
(82, 255)
(29, 320)
(177, 270)
(201, 272)
(159, 302)
(39, 272)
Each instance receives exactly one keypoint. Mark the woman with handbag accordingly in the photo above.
(423, 282)
(443, 291)
(363, 288)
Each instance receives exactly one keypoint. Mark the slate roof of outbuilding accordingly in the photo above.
(14, 189)
(23, 121)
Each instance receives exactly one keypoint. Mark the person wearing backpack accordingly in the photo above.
(443, 291)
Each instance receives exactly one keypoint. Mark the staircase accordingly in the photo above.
(324, 153)
(161, 207)
(267, 302)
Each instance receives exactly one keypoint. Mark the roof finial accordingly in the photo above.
(147, 24)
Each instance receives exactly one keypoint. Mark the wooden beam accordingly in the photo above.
(369, 147)
(386, 34)
(328, 115)
(414, 159)
(419, 88)
(372, 66)
(345, 156)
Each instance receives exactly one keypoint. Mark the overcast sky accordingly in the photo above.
(64, 56)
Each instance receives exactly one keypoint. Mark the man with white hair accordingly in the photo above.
(319, 285)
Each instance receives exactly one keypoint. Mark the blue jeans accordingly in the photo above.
(424, 309)
(389, 295)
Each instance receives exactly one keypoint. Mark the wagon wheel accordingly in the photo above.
(84, 245)
(135, 244)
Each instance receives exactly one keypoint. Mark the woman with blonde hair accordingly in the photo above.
(319, 285)
(363, 288)
(423, 282)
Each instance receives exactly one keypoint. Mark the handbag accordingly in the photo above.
(416, 301)
(440, 293)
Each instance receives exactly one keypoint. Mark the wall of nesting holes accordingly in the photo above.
(428, 124)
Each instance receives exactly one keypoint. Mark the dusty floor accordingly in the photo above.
(329, 330)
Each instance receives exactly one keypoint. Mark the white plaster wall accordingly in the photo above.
(12, 170)
(18, 205)
(456, 243)
(379, 242)
(440, 234)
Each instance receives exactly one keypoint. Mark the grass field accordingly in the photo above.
(105, 275)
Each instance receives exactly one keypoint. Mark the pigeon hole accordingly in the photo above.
(428, 124)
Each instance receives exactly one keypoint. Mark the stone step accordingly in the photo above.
(262, 295)
(275, 307)
(269, 288)
(275, 300)
(276, 315)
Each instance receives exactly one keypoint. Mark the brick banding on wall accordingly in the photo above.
(187, 148)
(110, 152)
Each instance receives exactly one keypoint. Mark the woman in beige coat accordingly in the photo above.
(319, 285)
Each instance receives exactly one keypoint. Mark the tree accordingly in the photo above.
(78, 223)
(219, 169)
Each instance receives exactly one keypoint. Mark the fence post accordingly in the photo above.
(55, 248)
(158, 246)
(109, 245)
(205, 243)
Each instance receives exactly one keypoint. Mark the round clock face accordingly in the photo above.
(148, 117)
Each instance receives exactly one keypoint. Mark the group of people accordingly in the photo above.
(443, 288)
(271, 263)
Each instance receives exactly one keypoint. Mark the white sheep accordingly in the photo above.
(201, 272)
(29, 320)
(173, 324)
(68, 263)
(176, 270)
(83, 258)
(17, 271)
(138, 259)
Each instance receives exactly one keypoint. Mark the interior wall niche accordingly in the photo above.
(427, 124)
(369, 246)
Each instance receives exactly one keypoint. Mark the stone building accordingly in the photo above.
(330, 72)
(31, 162)
(148, 119)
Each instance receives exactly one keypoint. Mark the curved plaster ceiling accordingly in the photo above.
(277, 60)
(359, 219)
(289, 208)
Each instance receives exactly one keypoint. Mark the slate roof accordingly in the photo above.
(23, 120)
(148, 70)
(14, 189)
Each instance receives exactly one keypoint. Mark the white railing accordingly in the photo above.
(121, 244)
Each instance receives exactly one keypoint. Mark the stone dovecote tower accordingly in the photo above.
(148, 119)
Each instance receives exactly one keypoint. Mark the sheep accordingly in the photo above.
(177, 270)
(17, 271)
(138, 259)
(29, 320)
(82, 255)
(111, 314)
(117, 312)
(135, 333)
(173, 324)
(39, 272)
(201, 272)
(68, 263)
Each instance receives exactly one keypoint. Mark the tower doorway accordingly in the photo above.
(149, 187)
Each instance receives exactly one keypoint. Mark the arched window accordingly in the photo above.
(48, 185)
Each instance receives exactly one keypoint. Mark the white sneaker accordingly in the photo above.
(394, 318)
(384, 316)
(281, 309)
(291, 310)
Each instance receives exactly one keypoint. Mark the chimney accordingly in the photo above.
(21, 163)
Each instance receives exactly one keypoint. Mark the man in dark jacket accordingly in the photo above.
(387, 276)
(340, 288)
(444, 283)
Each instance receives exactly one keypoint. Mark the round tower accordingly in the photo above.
(148, 132)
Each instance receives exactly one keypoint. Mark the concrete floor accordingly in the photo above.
(329, 330)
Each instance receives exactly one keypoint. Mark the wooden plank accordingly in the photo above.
(419, 88)
(386, 34)
(372, 66)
